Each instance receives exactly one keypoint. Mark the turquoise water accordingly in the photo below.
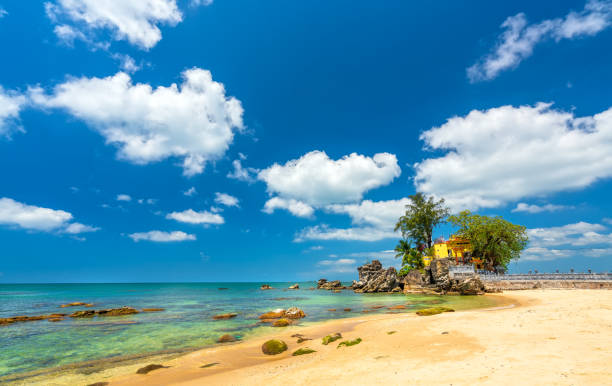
(186, 322)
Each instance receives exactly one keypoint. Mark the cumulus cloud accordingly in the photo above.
(192, 217)
(338, 265)
(194, 122)
(295, 207)
(11, 103)
(36, 218)
(162, 237)
(135, 21)
(3, 12)
(324, 232)
(226, 199)
(523, 207)
(508, 153)
(519, 38)
(126, 63)
(316, 180)
(581, 239)
(241, 173)
(124, 197)
(190, 192)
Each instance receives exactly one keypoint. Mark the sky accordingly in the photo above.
(199, 140)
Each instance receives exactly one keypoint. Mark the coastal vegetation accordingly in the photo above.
(495, 240)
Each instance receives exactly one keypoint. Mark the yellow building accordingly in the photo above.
(455, 248)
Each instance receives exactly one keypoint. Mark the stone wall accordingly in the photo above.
(535, 284)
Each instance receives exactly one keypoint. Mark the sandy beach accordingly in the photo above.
(545, 337)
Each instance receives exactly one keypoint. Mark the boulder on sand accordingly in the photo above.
(273, 347)
(470, 286)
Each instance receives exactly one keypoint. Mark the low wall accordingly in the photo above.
(535, 284)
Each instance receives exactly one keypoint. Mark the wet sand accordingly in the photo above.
(547, 337)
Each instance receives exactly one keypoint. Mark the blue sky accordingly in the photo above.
(166, 140)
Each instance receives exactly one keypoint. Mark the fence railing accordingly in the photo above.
(546, 276)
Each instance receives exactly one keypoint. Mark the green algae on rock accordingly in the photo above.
(433, 311)
(302, 351)
(349, 342)
(273, 347)
(331, 338)
(281, 323)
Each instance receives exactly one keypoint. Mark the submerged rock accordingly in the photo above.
(294, 313)
(273, 347)
(331, 338)
(281, 323)
(153, 309)
(225, 316)
(265, 287)
(226, 338)
(398, 307)
(75, 304)
(148, 368)
(117, 311)
(278, 313)
(83, 314)
(433, 311)
(348, 309)
(295, 286)
(302, 351)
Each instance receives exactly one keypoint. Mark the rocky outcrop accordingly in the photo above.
(294, 313)
(295, 286)
(470, 286)
(290, 313)
(265, 287)
(328, 285)
(438, 270)
(373, 278)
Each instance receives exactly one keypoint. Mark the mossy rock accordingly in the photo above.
(331, 338)
(302, 351)
(281, 323)
(391, 332)
(273, 347)
(433, 311)
(348, 343)
(226, 338)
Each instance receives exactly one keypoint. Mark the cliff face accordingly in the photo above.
(373, 278)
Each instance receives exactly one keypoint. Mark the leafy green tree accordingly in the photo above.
(495, 240)
(411, 258)
(422, 215)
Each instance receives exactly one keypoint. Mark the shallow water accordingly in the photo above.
(185, 323)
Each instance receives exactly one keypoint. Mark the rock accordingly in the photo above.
(265, 287)
(302, 339)
(331, 338)
(295, 286)
(226, 338)
(376, 307)
(75, 304)
(225, 316)
(294, 313)
(302, 351)
(278, 313)
(329, 285)
(391, 332)
(337, 291)
(83, 314)
(153, 309)
(98, 384)
(148, 368)
(348, 343)
(209, 365)
(116, 311)
(24, 318)
(414, 279)
(471, 286)
(55, 319)
(273, 347)
(439, 274)
(433, 311)
(347, 309)
(332, 309)
(396, 289)
(398, 307)
(281, 323)
(373, 278)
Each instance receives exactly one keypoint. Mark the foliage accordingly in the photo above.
(493, 239)
(422, 215)
(411, 258)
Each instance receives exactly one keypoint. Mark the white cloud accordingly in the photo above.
(295, 207)
(194, 122)
(226, 199)
(124, 197)
(30, 217)
(523, 207)
(517, 41)
(197, 3)
(240, 173)
(135, 21)
(581, 239)
(509, 153)
(126, 63)
(324, 232)
(338, 265)
(11, 103)
(150, 201)
(190, 192)
(192, 217)
(339, 262)
(162, 237)
(3, 12)
(316, 180)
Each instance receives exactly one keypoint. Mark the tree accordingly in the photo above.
(423, 214)
(412, 258)
(494, 240)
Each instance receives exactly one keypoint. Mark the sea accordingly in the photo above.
(186, 323)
